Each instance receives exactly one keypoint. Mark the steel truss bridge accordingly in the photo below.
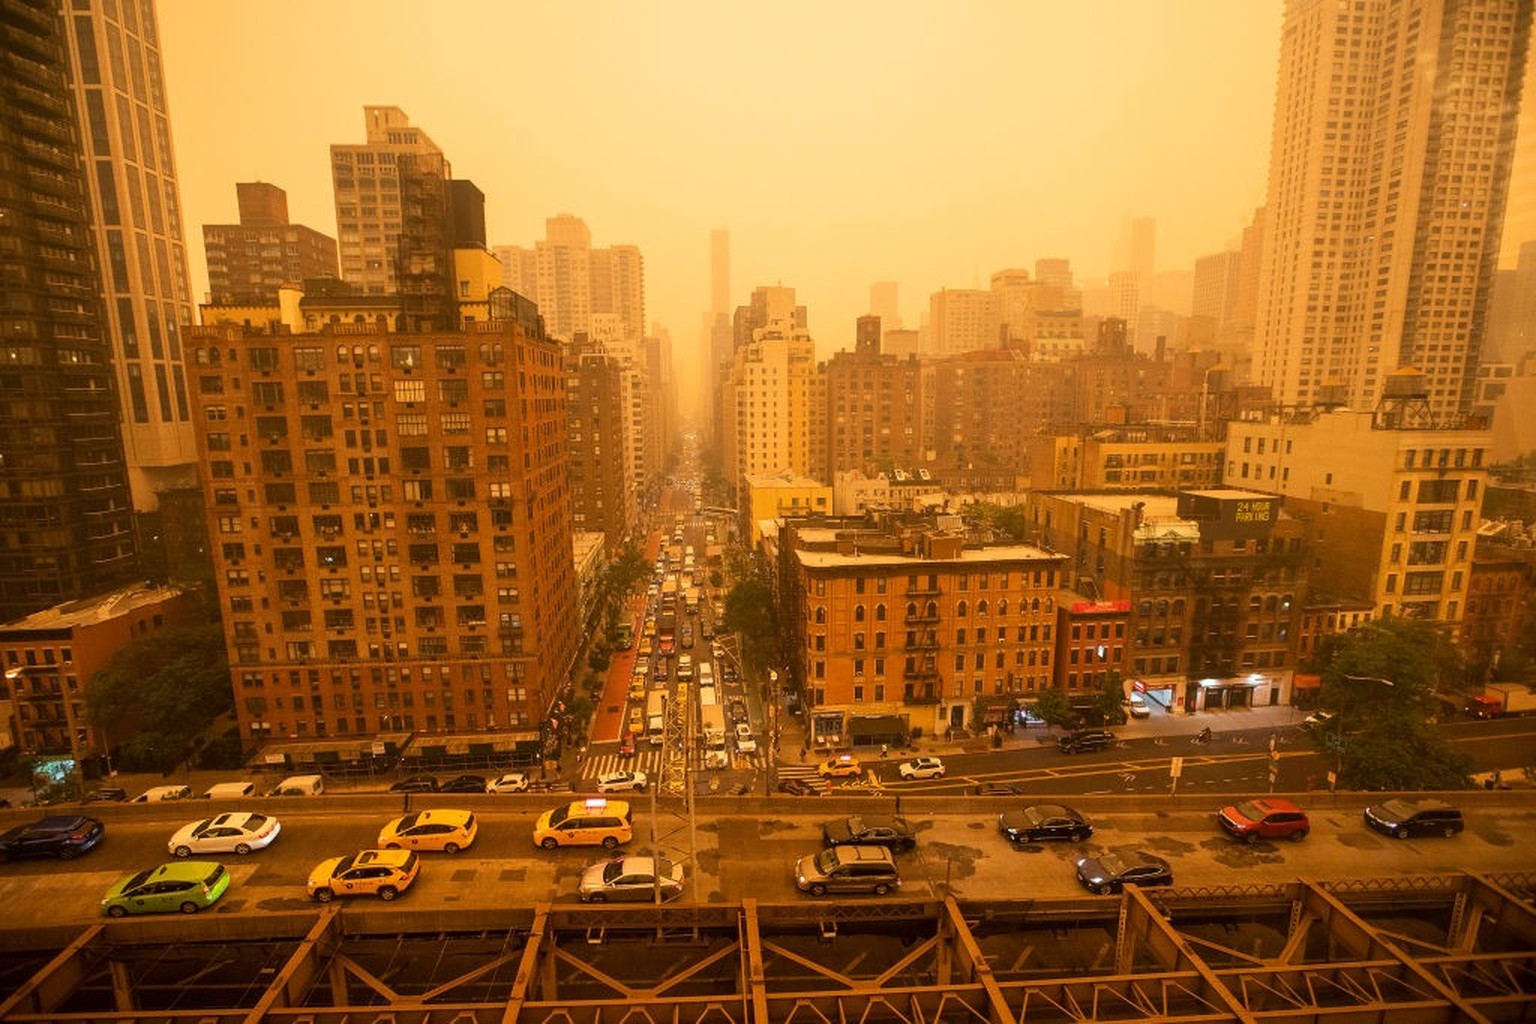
(1420, 949)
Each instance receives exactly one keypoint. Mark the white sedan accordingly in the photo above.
(922, 768)
(236, 832)
(618, 782)
(511, 782)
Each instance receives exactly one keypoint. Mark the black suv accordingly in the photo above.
(64, 836)
(1404, 819)
(1084, 740)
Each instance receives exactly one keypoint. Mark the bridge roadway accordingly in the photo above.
(497, 931)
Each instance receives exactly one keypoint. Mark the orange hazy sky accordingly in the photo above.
(841, 143)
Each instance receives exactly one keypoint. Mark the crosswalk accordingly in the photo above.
(650, 761)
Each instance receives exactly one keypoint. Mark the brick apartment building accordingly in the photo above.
(390, 521)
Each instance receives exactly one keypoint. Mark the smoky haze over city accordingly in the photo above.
(788, 460)
(839, 144)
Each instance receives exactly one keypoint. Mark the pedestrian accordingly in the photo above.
(884, 749)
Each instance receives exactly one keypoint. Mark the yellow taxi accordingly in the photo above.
(382, 873)
(843, 765)
(596, 821)
(447, 831)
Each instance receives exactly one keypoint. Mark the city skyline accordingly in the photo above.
(932, 171)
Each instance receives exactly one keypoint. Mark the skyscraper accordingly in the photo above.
(66, 526)
(120, 106)
(376, 183)
(719, 271)
(1389, 167)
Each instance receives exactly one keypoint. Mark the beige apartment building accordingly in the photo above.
(375, 182)
(768, 401)
(391, 522)
(1392, 510)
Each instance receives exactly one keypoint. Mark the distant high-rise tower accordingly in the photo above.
(1215, 288)
(884, 303)
(249, 261)
(573, 282)
(120, 105)
(720, 271)
(1389, 168)
(1056, 272)
(66, 517)
(377, 183)
(1143, 248)
(962, 320)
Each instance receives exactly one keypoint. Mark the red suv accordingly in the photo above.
(1253, 820)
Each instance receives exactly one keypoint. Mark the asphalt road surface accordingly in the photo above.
(752, 854)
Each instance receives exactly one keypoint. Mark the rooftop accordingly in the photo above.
(90, 610)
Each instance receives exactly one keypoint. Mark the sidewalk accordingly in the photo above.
(1160, 723)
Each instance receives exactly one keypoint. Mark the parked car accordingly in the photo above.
(1269, 818)
(1085, 740)
(618, 782)
(738, 710)
(415, 784)
(895, 834)
(158, 794)
(186, 886)
(1317, 720)
(847, 869)
(65, 836)
(840, 766)
(631, 878)
(236, 832)
(382, 873)
(921, 768)
(1404, 819)
(510, 782)
(1043, 821)
(447, 830)
(1136, 706)
(997, 789)
(106, 794)
(745, 741)
(1112, 872)
(799, 787)
(464, 784)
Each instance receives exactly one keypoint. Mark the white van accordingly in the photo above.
(157, 793)
(230, 791)
(299, 785)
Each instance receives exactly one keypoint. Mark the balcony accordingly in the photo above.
(924, 590)
(922, 619)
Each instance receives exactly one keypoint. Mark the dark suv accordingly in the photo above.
(1253, 820)
(64, 836)
(1085, 740)
(1403, 819)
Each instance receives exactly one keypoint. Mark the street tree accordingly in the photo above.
(1007, 520)
(160, 693)
(750, 614)
(1381, 681)
(1054, 707)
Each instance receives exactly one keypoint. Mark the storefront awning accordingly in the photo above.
(877, 725)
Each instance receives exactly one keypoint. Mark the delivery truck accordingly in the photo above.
(1500, 699)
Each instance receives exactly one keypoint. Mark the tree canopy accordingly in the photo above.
(160, 692)
(1381, 680)
(749, 613)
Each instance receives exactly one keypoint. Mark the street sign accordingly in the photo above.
(1175, 767)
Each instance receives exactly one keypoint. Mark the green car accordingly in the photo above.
(184, 885)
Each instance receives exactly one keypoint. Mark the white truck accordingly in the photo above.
(715, 754)
(1500, 699)
(655, 716)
